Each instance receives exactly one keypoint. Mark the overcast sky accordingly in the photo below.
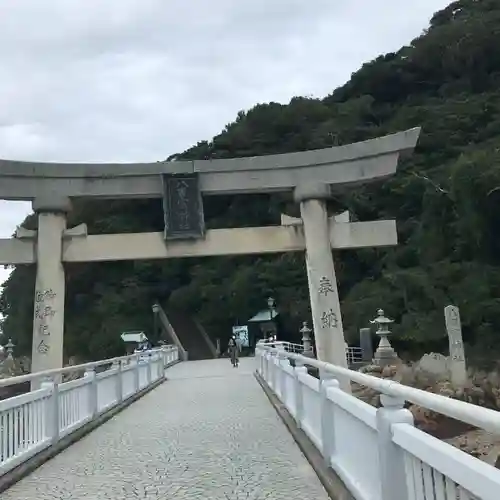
(128, 80)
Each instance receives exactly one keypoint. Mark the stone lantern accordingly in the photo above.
(306, 340)
(9, 349)
(385, 354)
(271, 306)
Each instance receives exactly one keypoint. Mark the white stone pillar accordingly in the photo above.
(324, 296)
(48, 317)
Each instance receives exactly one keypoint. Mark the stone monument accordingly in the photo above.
(457, 365)
(366, 344)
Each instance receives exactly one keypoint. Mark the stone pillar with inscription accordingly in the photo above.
(366, 344)
(325, 304)
(458, 367)
(48, 318)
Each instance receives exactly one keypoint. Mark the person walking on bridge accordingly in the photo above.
(232, 349)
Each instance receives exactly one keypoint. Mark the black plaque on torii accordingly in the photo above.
(182, 207)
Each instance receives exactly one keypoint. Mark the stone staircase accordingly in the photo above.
(195, 341)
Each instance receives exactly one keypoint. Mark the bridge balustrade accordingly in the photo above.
(378, 453)
(353, 354)
(31, 422)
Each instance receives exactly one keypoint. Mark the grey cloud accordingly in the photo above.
(96, 80)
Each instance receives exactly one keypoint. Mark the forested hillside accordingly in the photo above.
(446, 199)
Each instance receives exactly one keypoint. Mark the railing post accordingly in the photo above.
(392, 468)
(152, 368)
(164, 362)
(137, 378)
(159, 366)
(277, 374)
(280, 375)
(52, 411)
(92, 392)
(274, 371)
(265, 364)
(327, 416)
(285, 364)
(166, 353)
(270, 365)
(149, 370)
(269, 370)
(299, 400)
(117, 365)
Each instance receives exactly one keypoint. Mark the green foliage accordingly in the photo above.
(445, 199)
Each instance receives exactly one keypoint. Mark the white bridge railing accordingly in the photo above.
(353, 354)
(378, 453)
(287, 346)
(34, 421)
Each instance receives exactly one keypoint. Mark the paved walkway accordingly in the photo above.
(208, 433)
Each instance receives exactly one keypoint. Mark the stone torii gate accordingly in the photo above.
(312, 176)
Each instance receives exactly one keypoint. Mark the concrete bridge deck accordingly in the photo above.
(208, 432)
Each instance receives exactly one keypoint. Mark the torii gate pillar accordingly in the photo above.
(48, 315)
(323, 291)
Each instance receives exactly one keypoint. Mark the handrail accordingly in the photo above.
(20, 379)
(285, 344)
(354, 354)
(477, 416)
(399, 461)
(40, 418)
